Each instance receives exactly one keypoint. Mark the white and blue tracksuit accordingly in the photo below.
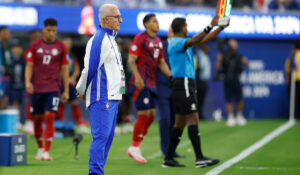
(102, 82)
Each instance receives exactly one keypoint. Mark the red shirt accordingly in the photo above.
(149, 50)
(48, 59)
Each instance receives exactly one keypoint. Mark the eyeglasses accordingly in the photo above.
(117, 17)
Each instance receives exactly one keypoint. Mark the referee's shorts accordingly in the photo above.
(184, 96)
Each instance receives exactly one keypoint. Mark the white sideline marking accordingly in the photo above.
(158, 154)
(252, 148)
(267, 168)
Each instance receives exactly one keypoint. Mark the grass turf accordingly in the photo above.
(280, 156)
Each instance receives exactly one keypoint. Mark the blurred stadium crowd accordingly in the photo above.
(260, 5)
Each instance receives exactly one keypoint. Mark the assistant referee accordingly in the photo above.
(180, 52)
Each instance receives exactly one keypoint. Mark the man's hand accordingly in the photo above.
(72, 81)
(82, 97)
(139, 83)
(65, 97)
(214, 21)
(29, 87)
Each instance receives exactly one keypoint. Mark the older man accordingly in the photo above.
(102, 84)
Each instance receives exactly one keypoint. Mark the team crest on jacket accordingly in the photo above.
(54, 52)
(107, 105)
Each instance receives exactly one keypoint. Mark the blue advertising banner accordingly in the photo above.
(84, 20)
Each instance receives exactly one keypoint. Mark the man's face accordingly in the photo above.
(49, 33)
(114, 19)
(5, 35)
(152, 24)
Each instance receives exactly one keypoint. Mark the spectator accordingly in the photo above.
(17, 75)
(6, 63)
(230, 63)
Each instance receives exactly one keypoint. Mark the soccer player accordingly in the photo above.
(74, 70)
(102, 84)
(145, 56)
(180, 51)
(47, 63)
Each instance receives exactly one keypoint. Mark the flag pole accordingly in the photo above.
(292, 96)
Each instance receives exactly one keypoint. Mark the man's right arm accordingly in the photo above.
(28, 76)
(139, 83)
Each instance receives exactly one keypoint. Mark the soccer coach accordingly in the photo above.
(102, 84)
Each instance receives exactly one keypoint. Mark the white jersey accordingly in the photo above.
(103, 76)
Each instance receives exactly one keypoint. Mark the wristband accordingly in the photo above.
(208, 28)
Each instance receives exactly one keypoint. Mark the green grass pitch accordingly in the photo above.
(278, 157)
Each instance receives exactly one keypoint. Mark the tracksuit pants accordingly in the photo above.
(103, 117)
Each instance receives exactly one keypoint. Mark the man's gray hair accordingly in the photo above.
(104, 11)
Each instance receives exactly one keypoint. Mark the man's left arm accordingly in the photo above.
(65, 80)
(162, 65)
(245, 61)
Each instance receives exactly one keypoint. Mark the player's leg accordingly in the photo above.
(229, 105)
(240, 119)
(142, 104)
(28, 126)
(38, 118)
(60, 112)
(152, 103)
(180, 122)
(75, 106)
(103, 117)
(51, 106)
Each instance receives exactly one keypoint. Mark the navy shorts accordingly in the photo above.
(41, 102)
(72, 92)
(144, 99)
(16, 95)
(233, 90)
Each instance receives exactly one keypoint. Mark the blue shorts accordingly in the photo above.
(144, 99)
(41, 102)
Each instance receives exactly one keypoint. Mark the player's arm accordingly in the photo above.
(195, 40)
(139, 82)
(75, 74)
(65, 80)
(28, 76)
(162, 65)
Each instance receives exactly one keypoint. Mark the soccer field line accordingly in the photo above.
(158, 154)
(245, 153)
(267, 168)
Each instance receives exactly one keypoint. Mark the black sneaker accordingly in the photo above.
(171, 163)
(201, 163)
(176, 155)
